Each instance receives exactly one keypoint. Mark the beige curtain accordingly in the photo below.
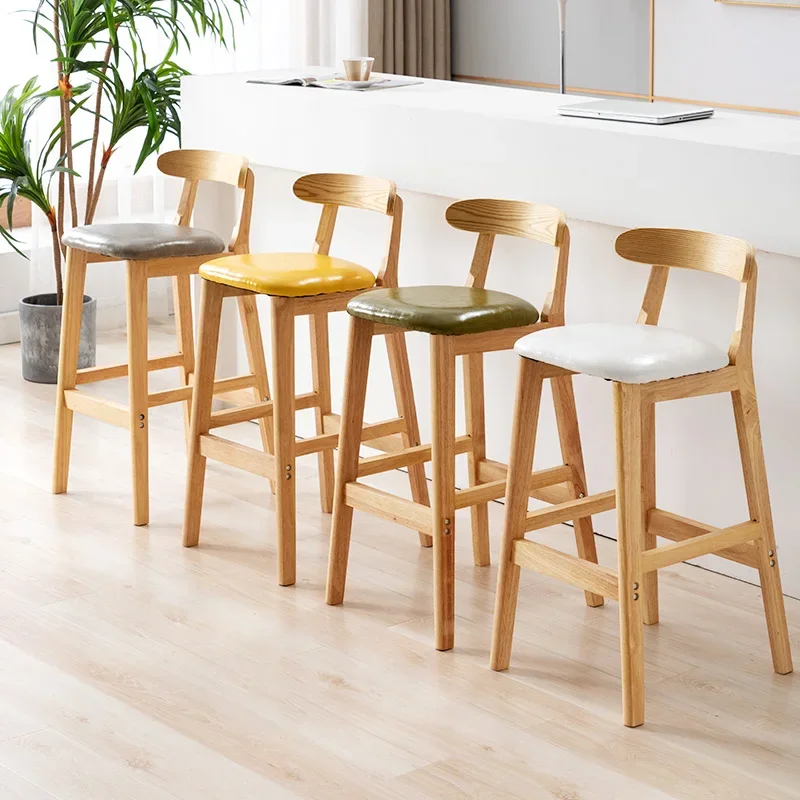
(411, 37)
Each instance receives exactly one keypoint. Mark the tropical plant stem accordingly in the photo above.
(67, 118)
(62, 148)
(98, 106)
(99, 185)
(53, 220)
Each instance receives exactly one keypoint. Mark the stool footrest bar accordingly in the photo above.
(168, 396)
(372, 434)
(253, 411)
(584, 574)
(233, 416)
(406, 458)
(239, 383)
(704, 544)
(548, 485)
(237, 455)
(573, 509)
(96, 407)
(387, 506)
(482, 493)
(93, 374)
(678, 529)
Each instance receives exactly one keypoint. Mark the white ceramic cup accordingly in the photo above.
(358, 69)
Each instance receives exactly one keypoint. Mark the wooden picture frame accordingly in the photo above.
(766, 3)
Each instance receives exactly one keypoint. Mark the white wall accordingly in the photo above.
(746, 55)
(607, 42)
(704, 50)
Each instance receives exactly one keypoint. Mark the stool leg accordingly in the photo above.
(523, 443)
(202, 400)
(476, 428)
(748, 428)
(283, 418)
(137, 389)
(257, 363)
(630, 537)
(407, 409)
(355, 393)
(649, 591)
(321, 375)
(71, 312)
(184, 332)
(572, 455)
(443, 422)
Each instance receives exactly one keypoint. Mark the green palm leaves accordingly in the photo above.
(102, 42)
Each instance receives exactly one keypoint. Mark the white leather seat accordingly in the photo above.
(623, 353)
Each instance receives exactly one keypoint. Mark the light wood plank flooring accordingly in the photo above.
(133, 669)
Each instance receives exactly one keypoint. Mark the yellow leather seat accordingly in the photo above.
(288, 274)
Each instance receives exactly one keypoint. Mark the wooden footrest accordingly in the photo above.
(388, 506)
(92, 374)
(679, 529)
(254, 411)
(703, 544)
(238, 455)
(572, 509)
(585, 575)
(105, 410)
(406, 458)
(548, 485)
(374, 434)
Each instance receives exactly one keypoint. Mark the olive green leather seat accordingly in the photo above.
(443, 310)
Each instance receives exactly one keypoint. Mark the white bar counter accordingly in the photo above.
(737, 174)
(734, 173)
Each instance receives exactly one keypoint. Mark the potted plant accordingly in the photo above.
(100, 43)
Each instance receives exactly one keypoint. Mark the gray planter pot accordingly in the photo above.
(40, 332)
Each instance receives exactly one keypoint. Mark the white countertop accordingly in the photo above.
(736, 173)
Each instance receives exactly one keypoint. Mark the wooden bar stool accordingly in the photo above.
(153, 250)
(299, 284)
(463, 321)
(647, 365)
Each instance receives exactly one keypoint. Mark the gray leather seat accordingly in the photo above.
(137, 241)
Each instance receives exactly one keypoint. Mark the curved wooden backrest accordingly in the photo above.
(508, 217)
(355, 191)
(672, 247)
(663, 248)
(205, 165)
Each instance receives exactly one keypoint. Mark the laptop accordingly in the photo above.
(657, 113)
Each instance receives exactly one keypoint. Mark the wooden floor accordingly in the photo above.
(131, 668)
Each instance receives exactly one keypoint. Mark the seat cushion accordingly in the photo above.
(288, 274)
(623, 353)
(137, 241)
(444, 310)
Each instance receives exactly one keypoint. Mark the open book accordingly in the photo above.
(307, 80)
(336, 82)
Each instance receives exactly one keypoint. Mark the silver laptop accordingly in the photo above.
(657, 113)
